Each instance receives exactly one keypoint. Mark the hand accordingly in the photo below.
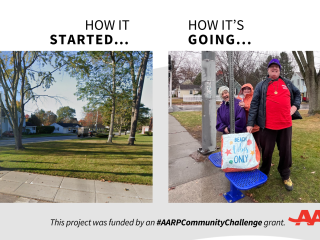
(226, 130)
(249, 129)
(220, 103)
(241, 104)
(293, 110)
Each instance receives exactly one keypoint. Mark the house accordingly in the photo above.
(4, 122)
(298, 81)
(100, 127)
(145, 129)
(188, 90)
(220, 82)
(31, 128)
(65, 127)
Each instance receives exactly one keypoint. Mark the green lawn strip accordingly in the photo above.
(189, 120)
(48, 135)
(86, 158)
(305, 170)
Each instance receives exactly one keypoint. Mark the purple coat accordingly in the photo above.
(223, 117)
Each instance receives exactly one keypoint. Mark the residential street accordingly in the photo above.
(8, 142)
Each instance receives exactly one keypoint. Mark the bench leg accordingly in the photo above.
(233, 195)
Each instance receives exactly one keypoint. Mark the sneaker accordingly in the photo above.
(288, 184)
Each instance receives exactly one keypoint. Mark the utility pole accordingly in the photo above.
(209, 116)
(97, 121)
(1, 108)
(170, 87)
(231, 92)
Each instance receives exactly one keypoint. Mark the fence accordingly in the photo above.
(197, 98)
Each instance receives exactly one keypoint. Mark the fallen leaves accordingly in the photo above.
(249, 195)
(172, 188)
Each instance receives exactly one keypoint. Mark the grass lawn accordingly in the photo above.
(48, 135)
(305, 170)
(88, 158)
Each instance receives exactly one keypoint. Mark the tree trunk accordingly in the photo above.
(17, 137)
(137, 107)
(134, 85)
(113, 102)
(311, 78)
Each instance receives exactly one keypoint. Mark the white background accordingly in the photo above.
(160, 26)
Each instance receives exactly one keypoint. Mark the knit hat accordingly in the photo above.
(275, 61)
(222, 89)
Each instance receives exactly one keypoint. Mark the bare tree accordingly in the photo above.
(190, 69)
(178, 58)
(311, 77)
(245, 66)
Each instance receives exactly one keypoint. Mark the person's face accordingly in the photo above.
(225, 95)
(274, 71)
(246, 90)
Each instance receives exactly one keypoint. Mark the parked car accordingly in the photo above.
(90, 133)
(8, 134)
(83, 132)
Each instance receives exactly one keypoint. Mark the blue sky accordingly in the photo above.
(64, 88)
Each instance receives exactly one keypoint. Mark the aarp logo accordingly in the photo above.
(305, 217)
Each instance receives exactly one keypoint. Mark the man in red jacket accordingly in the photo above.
(274, 101)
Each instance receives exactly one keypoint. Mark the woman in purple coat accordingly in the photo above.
(223, 114)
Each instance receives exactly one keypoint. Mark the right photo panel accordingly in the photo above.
(243, 126)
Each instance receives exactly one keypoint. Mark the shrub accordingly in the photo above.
(102, 135)
(45, 129)
(148, 133)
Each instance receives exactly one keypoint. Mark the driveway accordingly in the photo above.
(304, 106)
(35, 140)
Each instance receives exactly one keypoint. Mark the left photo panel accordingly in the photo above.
(76, 127)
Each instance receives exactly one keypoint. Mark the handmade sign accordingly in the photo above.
(239, 152)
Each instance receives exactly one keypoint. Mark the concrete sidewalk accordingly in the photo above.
(71, 190)
(192, 181)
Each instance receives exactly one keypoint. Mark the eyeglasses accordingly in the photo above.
(246, 88)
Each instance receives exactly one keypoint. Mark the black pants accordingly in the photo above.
(256, 136)
(282, 137)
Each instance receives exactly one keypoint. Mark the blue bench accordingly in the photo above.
(239, 180)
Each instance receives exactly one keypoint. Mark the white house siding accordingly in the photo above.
(61, 129)
(299, 83)
(58, 128)
(32, 129)
(5, 125)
